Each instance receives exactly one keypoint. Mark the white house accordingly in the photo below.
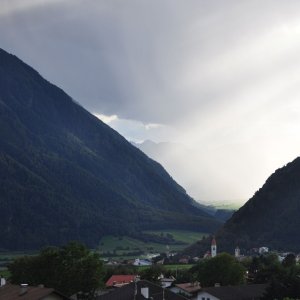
(142, 262)
(166, 282)
(262, 250)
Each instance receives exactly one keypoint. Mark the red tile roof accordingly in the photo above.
(119, 280)
(213, 242)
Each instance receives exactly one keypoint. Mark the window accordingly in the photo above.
(203, 298)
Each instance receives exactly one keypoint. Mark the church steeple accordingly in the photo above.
(213, 247)
(237, 252)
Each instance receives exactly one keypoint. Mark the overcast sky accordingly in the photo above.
(220, 77)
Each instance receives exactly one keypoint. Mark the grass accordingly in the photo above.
(178, 267)
(185, 236)
(126, 247)
(169, 267)
(230, 205)
(4, 255)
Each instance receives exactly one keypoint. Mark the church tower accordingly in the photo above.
(213, 247)
(237, 252)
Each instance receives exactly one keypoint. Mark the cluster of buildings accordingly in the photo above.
(130, 287)
(167, 289)
(125, 287)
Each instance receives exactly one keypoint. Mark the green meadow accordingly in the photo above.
(126, 247)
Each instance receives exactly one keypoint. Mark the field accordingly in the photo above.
(126, 247)
(169, 267)
(227, 205)
(188, 237)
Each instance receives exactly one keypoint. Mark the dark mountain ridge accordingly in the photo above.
(65, 175)
(270, 218)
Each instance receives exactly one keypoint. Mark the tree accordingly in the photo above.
(153, 272)
(289, 261)
(70, 269)
(223, 269)
(283, 278)
(284, 284)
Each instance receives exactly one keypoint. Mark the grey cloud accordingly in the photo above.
(143, 60)
(224, 75)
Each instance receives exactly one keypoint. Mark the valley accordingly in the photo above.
(124, 247)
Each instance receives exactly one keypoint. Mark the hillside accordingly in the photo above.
(65, 175)
(270, 218)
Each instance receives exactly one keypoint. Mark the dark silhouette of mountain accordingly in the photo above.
(65, 175)
(270, 218)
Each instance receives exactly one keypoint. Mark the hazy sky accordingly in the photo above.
(220, 77)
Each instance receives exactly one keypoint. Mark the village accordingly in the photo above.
(161, 284)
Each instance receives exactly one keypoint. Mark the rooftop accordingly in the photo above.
(134, 291)
(189, 287)
(240, 292)
(16, 292)
(119, 280)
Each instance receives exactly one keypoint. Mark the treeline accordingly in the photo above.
(70, 269)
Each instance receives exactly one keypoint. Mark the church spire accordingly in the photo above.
(213, 247)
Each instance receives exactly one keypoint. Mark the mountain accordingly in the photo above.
(270, 218)
(65, 175)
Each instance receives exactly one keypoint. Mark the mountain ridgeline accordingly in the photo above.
(270, 218)
(65, 175)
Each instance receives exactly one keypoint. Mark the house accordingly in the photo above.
(120, 280)
(263, 250)
(166, 282)
(189, 289)
(26, 292)
(183, 260)
(142, 262)
(2, 281)
(141, 290)
(240, 292)
(160, 262)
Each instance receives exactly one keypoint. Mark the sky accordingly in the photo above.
(221, 78)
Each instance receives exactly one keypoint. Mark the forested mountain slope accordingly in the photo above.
(270, 218)
(65, 175)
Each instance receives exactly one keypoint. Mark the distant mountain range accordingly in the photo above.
(270, 218)
(65, 175)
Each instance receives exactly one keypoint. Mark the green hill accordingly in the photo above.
(65, 175)
(270, 218)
